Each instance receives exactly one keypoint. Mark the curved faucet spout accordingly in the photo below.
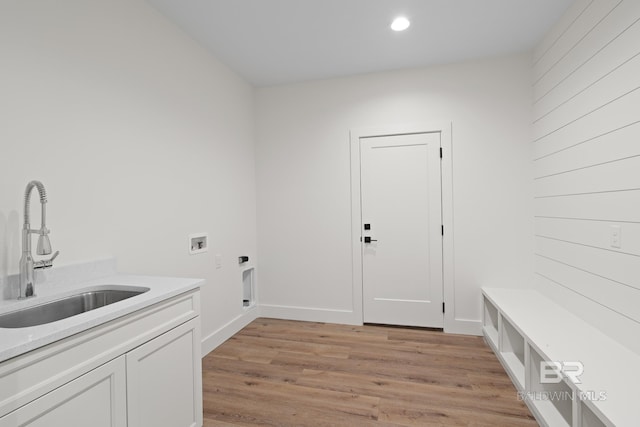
(27, 199)
(44, 245)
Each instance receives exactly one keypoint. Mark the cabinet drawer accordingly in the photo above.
(31, 375)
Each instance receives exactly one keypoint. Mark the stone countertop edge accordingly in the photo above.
(18, 341)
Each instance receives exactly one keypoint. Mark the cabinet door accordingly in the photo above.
(164, 380)
(96, 399)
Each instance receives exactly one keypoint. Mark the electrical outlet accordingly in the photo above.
(218, 261)
(616, 236)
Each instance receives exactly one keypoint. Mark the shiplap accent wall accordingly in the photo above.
(587, 164)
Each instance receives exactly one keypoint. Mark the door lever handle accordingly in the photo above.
(368, 239)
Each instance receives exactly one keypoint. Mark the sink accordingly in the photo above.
(67, 307)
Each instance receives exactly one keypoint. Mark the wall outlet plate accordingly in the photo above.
(615, 234)
(198, 243)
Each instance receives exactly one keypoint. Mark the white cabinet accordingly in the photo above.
(96, 399)
(143, 369)
(164, 380)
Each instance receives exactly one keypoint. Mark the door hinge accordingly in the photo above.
(443, 307)
(442, 229)
(440, 152)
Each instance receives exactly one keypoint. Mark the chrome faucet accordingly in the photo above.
(27, 264)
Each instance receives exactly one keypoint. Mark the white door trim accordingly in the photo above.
(445, 129)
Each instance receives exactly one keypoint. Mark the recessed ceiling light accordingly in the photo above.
(400, 24)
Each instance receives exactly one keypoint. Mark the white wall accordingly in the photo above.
(303, 175)
(140, 138)
(587, 165)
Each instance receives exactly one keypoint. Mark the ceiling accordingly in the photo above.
(273, 42)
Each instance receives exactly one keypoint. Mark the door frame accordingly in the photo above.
(446, 171)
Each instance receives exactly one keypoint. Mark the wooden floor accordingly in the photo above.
(286, 373)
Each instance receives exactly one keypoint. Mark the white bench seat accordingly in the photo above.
(524, 328)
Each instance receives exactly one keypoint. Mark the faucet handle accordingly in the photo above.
(46, 263)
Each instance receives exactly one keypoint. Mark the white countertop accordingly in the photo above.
(17, 341)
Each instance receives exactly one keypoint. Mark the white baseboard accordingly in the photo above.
(213, 340)
(307, 314)
(463, 327)
(345, 317)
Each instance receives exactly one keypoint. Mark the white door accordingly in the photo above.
(401, 216)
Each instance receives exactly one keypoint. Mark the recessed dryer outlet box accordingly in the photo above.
(198, 243)
(248, 288)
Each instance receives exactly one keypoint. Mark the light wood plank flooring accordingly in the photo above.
(286, 373)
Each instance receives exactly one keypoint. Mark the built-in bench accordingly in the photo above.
(527, 330)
